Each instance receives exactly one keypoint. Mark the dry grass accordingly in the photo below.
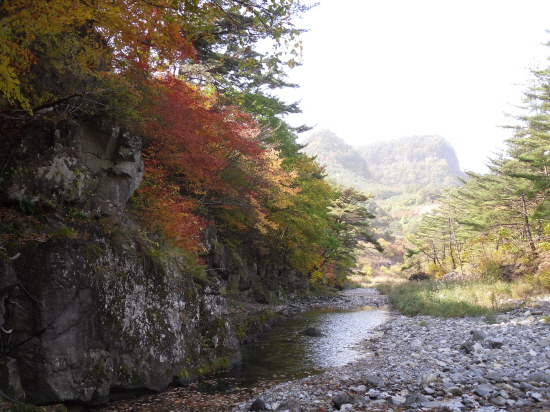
(460, 298)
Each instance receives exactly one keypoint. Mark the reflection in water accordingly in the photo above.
(286, 354)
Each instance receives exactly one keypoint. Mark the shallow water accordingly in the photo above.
(285, 354)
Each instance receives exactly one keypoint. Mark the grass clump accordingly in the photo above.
(459, 298)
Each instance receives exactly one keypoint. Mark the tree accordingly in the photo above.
(137, 36)
(348, 229)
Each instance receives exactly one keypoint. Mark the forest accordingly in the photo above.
(190, 78)
(193, 80)
(433, 218)
(496, 223)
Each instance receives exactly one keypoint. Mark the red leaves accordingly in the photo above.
(161, 206)
(196, 140)
(199, 154)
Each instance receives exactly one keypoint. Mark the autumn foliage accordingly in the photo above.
(187, 76)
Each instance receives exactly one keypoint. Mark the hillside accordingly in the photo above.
(387, 166)
(424, 160)
(342, 161)
(404, 175)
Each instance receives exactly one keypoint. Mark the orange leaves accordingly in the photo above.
(195, 141)
(149, 35)
(163, 208)
(204, 154)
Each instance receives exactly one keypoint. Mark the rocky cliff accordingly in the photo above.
(91, 303)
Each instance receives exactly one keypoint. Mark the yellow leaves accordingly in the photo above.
(10, 85)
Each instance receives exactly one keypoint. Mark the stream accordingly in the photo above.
(286, 354)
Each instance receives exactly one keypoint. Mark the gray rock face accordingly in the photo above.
(89, 319)
(93, 163)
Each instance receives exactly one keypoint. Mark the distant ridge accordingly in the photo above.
(338, 156)
(425, 161)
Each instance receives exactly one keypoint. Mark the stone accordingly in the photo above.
(291, 405)
(396, 400)
(544, 341)
(467, 347)
(498, 400)
(257, 405)
(455, 391)
(483, 391)
(429, 391)
(478, 335)
(494, 376)
(374, 380)
(526, 386)
(429, 378)
(538, 377)
(312, 332)
(478, 347)
(431, 404)
(495, 343)
(415, 397)
(340, 400)
(373, 394)
(416, 343)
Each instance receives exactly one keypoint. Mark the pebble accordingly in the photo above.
(422, 362)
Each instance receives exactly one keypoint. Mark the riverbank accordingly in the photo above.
(426, 363)
(194, 397)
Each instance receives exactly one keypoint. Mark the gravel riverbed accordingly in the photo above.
(425, 363)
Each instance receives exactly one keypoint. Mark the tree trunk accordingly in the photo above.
(528, 226)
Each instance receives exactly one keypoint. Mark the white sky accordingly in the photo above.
(382, 69)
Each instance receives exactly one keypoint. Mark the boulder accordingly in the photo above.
(257, 405)
(291, 405)
(354, 400)
(312, 332)
(478, 335)
(90, 317)
(92, 163)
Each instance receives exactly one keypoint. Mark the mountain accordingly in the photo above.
(394, 165)
(405, 175)
(424, 160)
(339, 158)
